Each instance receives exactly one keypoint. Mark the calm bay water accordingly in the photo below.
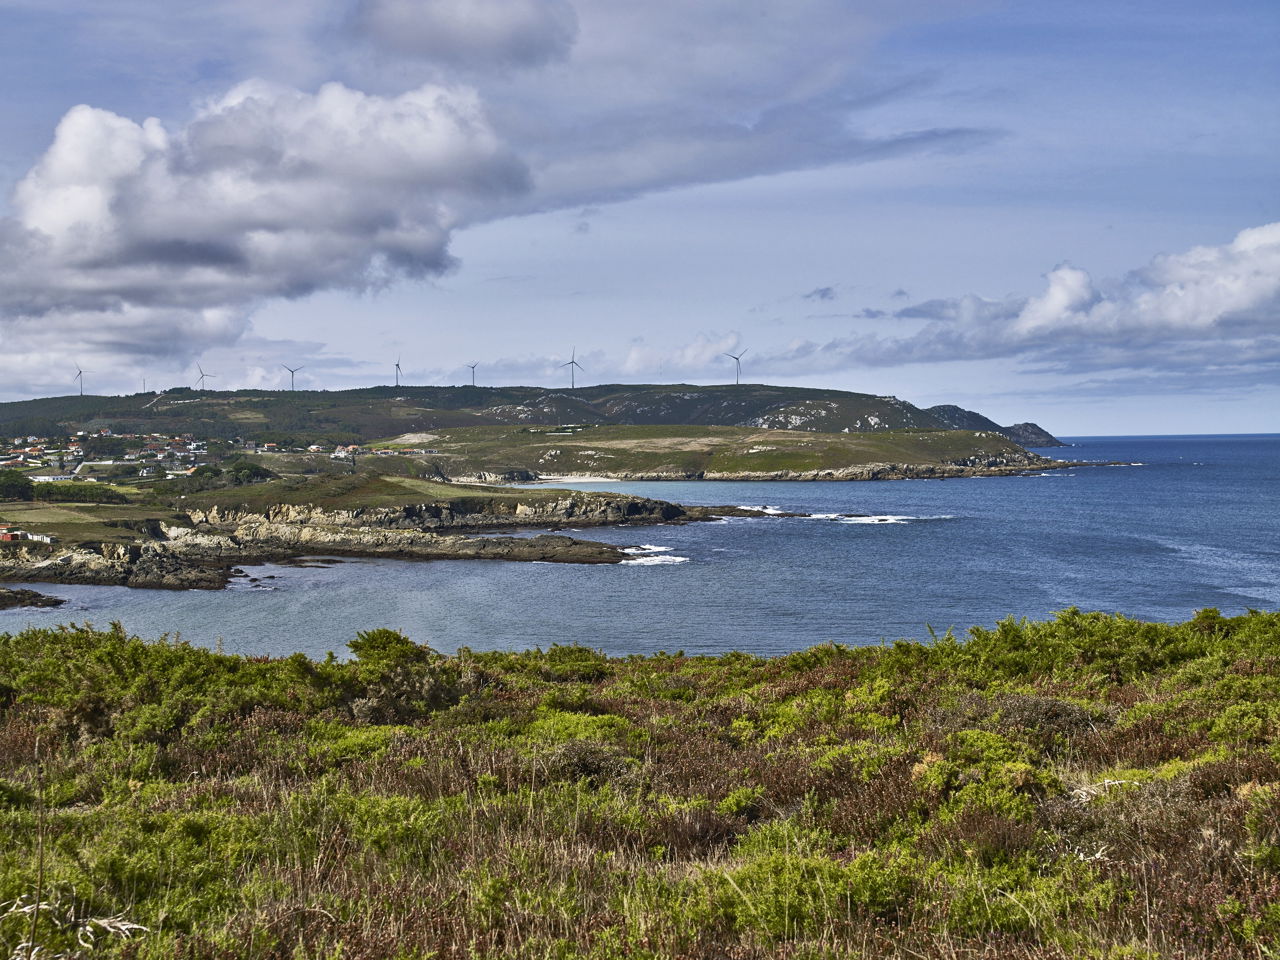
(1195, 522)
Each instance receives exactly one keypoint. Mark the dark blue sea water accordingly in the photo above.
(1194, 522)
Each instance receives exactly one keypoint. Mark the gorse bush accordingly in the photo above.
(1091, 786)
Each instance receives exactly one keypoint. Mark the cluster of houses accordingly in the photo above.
(156, 456)
(26, 453)
(65, 459)
(354, 450)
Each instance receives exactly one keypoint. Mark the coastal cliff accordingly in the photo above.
(990, 467)
(203, 551)
(460, 514)
(206, 560)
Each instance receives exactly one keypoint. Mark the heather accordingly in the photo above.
(1090, 786)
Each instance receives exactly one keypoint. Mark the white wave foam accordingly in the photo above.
(876, 518)
(762, 508)
(887, 518)
(654, 560)
(647, 548)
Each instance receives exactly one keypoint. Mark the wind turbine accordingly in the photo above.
(203, 377)
(292, 371)
(79, 376)
(397, 371)
(573, 366)
(737, 360)
(472, 366)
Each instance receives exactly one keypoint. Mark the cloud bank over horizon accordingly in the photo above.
(339, 147)
(1199, 315)
(139, 240)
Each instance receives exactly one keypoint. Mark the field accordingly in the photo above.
(680, 450)
(75, 523)
(1090, 787)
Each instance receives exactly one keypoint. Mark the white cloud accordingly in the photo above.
(1212, 307)
(137, 240)
(1196, 320)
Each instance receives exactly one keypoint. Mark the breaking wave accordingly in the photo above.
(874, 518)
(654, 559)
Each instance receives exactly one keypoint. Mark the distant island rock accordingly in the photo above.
(1023, 434)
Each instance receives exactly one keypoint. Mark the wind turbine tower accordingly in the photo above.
(737, 365)
(573, 366)
(203, 377)
(397, 371)
(80, 377)
(292, 371)
(473, 366)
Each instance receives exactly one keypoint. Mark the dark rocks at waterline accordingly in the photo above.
(26, 598)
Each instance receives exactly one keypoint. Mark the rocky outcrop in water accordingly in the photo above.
(204, 559)
(27, 598)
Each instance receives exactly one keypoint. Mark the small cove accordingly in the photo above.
(1196, 524)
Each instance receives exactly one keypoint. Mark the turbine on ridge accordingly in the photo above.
(737, 361)
(203, 377)
(573, 365)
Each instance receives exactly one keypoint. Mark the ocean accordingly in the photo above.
(1186, 523)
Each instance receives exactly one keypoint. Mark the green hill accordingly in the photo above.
(364, 414)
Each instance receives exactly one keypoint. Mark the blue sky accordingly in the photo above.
(1058, 212)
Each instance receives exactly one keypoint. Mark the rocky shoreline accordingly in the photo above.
(208, 552)
(26, 598)
(995, 467)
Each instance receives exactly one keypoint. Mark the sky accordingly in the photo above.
(1066, 213)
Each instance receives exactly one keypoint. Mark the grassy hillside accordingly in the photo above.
(693, 450)
(340, 416)
(1090, 787)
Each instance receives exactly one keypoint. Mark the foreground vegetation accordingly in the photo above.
(1088, 787)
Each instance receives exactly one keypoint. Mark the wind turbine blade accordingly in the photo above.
(743, 353)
